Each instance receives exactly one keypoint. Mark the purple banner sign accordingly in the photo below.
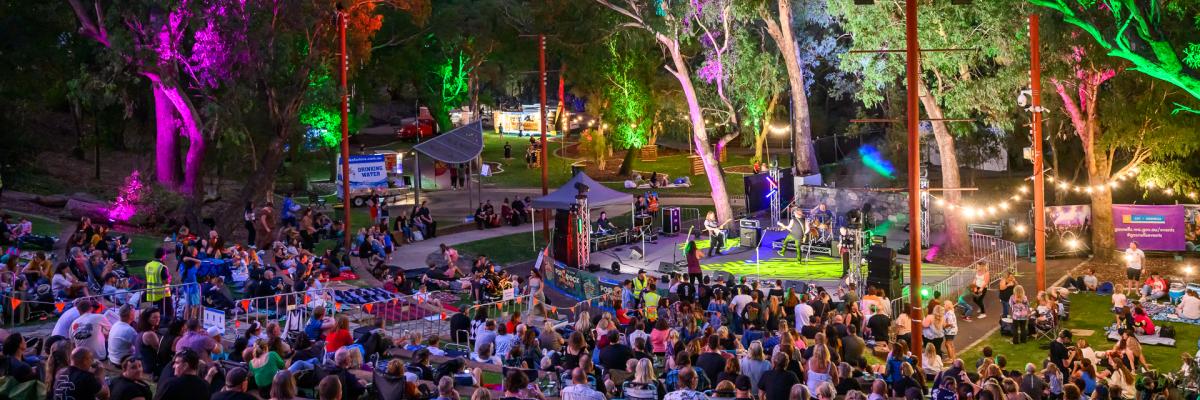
(1152, 227)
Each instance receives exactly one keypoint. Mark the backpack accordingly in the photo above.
(1166, 331)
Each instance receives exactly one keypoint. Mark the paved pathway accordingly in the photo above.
(974, 331)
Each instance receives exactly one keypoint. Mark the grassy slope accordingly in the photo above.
(1090, 312)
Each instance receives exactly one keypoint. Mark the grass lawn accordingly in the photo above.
(41, 225)
(1088, 312)
(507, 249)
(515, 173)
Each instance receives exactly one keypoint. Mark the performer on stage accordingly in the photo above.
(847, 243)
(716, 235)
(795, 228)
(822, 220)
(603, 225)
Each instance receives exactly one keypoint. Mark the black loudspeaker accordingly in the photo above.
(616, 267)
(670, 220)
(564, 238)
(883, 272)
(750, 236)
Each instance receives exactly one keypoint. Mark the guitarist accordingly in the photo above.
(716, 234)
(796, 231)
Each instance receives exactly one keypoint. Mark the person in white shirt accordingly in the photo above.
(803, 313)
(1189, 306)
(1119, 300)
(90, 330)
(580, 389)
(1134, 257)
(504, 341)
(122, 336)
(62, 327)
(739, 302)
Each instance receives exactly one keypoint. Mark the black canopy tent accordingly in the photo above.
(460, 145)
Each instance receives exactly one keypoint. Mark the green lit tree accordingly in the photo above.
(951, 84)
(1160, 39)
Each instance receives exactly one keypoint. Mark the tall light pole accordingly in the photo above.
(542, 110)
(913, 117)
(341, 21)
(1039, 193)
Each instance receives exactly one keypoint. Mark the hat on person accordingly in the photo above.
(235, 377)
(742, 382)
(214, 331)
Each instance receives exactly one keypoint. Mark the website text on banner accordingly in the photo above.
(366, 172)
(1152, 227)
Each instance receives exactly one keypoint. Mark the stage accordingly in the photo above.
(763, 262)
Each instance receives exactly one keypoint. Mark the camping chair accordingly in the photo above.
(388, 387)
(635, 391)
(317, 202)
(1045, 327)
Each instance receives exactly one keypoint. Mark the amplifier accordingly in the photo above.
(749, 236)
(748, 223)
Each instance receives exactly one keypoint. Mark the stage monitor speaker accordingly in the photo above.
(670, 220)
(635, 253)
(891, 285)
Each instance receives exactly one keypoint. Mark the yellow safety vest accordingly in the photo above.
(154, 284)
(638, 285)
(652, 306)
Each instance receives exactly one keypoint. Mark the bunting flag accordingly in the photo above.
(237, 324)
(520, 299)
(99, 307)
(59, 306)
(368, 306)
(16, 303)
(338, 305)
(443, 316)
(420, 300)
(395, 300)
(277, 297)
(307, 299)
(246, 305)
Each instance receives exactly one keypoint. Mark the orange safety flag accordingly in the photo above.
(307, 299)
(16, 303)
(246, 305)
(338, 305)
(277, 297)
(59, 306)
(443, 316)
(368, 306)
(420, 300)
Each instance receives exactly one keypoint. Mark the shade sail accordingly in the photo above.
(460, 145)
(598, 195)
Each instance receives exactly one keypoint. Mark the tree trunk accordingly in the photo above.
(956, 241)
(166, 162)
(627, 162)
(1103, 240)
(257, 187)
(712, 168)
(761, 140)
(781, 31)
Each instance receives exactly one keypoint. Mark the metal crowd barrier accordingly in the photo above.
(278, 307)
(997, 254)
(20, 308)
(407, 313)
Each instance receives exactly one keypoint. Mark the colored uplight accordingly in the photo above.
(872, 159)
(926, 293)
(774, 187)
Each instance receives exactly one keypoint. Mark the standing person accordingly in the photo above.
(795, 229)
(1134, 257)
(454, 177)
(131, 384)
(289, 210)
(716, 235)
(1007, 283)
(950, 325)
(157, 278)
(694, 255)
(982, 278)
(248, 222)
(80, 380)
(1018, 306)
(265, 226)
(934, 328)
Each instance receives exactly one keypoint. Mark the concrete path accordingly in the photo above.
(972, 332)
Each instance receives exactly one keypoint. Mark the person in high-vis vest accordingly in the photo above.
(157, 278)
(639, 286)
(651, 300)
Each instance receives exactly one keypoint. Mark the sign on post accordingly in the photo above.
(367, 171)
(214, 318)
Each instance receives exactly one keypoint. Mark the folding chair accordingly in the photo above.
(636, 391)
(317, 202)
(1045, 327)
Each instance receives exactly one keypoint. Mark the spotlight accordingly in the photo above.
(1189, 269)
(1169, 191)
(1020, 228)
(991, 210)
(1004, 205)
(1049, 178)
(1022, 189)
(1063, 185)
(1073, 243)
(940, 202)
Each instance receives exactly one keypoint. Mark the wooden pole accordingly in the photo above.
(345, 133)
(912, 68)
(544, 153)
(1039, 192)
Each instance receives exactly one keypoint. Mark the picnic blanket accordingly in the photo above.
(1166, 312)
(1143, 339)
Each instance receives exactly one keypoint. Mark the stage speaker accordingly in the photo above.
(749, 235)
(880, 260)
(670, 220)
(616, 267)
(634, 253)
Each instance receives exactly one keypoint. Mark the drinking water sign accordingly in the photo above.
(368, 171)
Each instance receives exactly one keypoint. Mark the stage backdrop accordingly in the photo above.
(1152, 227)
